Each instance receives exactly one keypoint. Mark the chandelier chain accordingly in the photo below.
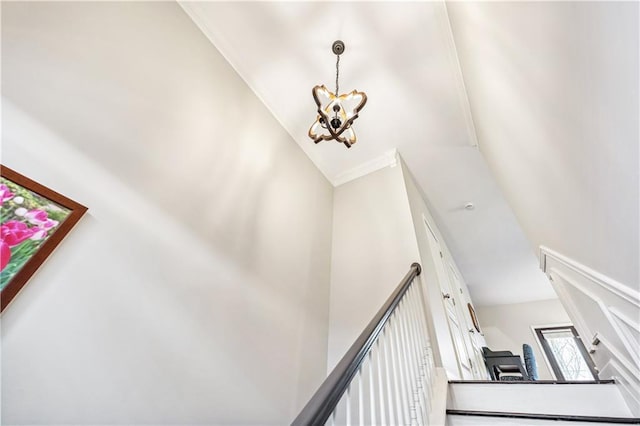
(337, 73)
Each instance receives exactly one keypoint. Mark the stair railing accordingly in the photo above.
(386, 376)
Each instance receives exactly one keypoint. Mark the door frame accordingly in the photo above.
(551, 359)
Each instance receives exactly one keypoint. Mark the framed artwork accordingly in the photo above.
(474, 319)
(33, 221)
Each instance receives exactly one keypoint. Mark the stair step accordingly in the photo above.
(470, 417)
(599, 400)
(533, 382)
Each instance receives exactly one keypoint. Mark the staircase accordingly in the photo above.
(389, 377)
(536, 403)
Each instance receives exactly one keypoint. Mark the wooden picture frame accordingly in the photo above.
(34, 219)
(474, 319)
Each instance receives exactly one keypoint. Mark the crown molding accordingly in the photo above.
(388, 159)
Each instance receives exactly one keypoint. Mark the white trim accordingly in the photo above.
(606, 312)
(622, 325)
(388, 159)
(558, 324)
(618, 357)
(463, 94)
(572, 310)
(596, 277)
(431, 230)
(623, 318)
(625, 383)
(439, 392)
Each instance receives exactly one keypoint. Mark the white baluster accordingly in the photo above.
(427, 356)
(383, 417)
(392, 420)
(420, 332)
(419, 345)
(416, 353)
(396, 371)
(348, 401)
(372, 391)
(400, 344)
(360, 398)
(409, 359)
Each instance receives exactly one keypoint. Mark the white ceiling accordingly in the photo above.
(400, 54)
(404, 57)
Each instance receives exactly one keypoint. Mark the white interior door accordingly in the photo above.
(457, 328)
(473, 340)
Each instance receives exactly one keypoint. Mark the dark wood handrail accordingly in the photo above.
(326, 398)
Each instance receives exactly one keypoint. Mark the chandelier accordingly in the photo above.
(336, 113)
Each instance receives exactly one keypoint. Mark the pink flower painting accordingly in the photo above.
(30, 215)
(27, 220)
(5, 193)
(13, 232)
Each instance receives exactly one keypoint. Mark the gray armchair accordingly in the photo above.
(500, 362)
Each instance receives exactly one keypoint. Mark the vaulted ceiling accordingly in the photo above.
(525, 109)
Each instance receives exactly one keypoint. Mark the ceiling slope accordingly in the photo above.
(554, 92)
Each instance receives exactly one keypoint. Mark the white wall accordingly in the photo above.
(373, 248)
(508, 327)
(195, 291)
